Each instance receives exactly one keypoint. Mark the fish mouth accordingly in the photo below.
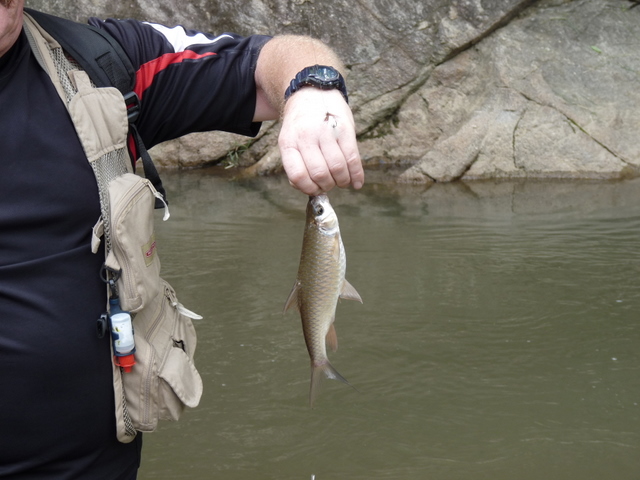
(318, 198)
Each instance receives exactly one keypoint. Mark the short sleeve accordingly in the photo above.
(189, 81)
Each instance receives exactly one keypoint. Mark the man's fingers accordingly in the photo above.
(318, 143)
(314, 170)
(317, 167)
(296, 171)
(351, 154)
(336, 163)
(307, 169)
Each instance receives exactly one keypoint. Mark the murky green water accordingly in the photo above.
(498, 339)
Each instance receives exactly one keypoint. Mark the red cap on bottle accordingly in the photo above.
(126, 362)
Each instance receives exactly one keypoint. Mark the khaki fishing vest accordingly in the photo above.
(164, 380)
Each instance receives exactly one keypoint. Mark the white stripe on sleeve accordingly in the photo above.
(180, 41)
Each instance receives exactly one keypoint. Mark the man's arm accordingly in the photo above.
(317, 140)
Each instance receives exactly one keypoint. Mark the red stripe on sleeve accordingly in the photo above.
(148, 71)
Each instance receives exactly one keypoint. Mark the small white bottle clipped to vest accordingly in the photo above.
(124, 345)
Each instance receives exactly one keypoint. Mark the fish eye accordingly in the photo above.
(319, 211)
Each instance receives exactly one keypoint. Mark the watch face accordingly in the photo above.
(325, 74)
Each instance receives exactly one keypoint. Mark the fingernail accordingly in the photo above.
(357, 185)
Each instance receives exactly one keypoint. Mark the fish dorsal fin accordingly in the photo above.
(293, 297)
(349, 292)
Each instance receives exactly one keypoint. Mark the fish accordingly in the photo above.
(319, 284)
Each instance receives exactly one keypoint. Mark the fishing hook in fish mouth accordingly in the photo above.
(331, 118)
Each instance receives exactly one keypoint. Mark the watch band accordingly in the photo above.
(319, 76)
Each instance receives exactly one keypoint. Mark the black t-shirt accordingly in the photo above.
(56, 400)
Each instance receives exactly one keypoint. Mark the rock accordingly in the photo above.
(574, 153)
(449, 89)
(197, 149)
(552, 94)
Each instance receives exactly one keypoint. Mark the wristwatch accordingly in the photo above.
(319, 76)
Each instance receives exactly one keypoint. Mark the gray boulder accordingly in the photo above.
(553, 94)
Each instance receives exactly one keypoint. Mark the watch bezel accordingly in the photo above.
(319, 72)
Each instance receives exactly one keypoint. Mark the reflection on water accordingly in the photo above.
(498, 338)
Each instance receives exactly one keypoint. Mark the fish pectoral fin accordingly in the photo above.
(349, 292)
(293, 297)
(331, 340)
(336, 247)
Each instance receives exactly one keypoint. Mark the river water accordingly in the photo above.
(498, 339)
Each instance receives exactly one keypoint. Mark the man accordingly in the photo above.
(56, 400)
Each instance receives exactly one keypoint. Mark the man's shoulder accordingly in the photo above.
(97, 52)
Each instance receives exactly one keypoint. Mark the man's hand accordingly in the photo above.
(318, 142)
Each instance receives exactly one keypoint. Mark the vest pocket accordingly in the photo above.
(133, 243)
(99, 116)
(164, 379)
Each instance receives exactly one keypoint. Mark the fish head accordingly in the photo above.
(321, 214)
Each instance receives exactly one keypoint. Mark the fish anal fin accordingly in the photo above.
(349, 292)
(331, 340)
(292, 300)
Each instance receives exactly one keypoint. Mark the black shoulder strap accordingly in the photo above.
(96, 51)
(106, 63)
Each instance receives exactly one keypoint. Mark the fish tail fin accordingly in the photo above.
(318, 373)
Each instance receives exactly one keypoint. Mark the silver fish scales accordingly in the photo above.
(319, 284)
